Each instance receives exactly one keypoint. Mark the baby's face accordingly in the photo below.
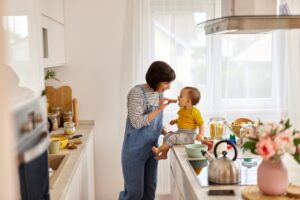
(183, 98)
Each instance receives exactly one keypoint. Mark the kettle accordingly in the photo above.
(223, 170)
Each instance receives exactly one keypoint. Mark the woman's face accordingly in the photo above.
(162, 86)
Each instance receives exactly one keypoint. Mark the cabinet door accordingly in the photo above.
(53, 9)
(21, 26)
(82, 186)
(53, 44)
(175, 192)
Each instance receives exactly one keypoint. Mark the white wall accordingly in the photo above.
(94, 37)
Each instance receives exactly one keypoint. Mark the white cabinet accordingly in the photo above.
(83, 184)
(53, 32)
(23, 58)
(180, 186)
(176, 194)
(53, 42)
(54, 9)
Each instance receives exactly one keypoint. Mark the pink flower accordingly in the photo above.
(266, 147)
(284, 143)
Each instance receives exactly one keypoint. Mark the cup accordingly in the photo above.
(54, 147)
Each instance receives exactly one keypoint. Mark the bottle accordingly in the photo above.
(232, 138)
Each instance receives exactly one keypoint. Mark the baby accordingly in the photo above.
(189, 119)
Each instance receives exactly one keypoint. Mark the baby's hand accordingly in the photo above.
(198, 137)
(172, 122)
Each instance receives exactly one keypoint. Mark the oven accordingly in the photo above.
(32, 144)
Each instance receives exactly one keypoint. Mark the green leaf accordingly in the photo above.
(297, 141)
(249, 145)
(51, 74)
(297, 157)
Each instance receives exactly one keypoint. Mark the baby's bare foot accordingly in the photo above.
(161, 157)
(155, 150)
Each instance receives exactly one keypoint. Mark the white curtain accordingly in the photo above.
(292, 64)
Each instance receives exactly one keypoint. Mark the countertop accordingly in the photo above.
(59, 191)
(201, 192)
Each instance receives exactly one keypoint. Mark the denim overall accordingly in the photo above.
(138, 163)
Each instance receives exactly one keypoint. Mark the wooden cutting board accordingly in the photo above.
(252, 193)
(62, 97)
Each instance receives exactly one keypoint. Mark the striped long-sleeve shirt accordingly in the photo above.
(136, 105)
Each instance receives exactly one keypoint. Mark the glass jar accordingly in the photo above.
(68, 116)
(57, 110)
(69, 128)
(217, 127)
(54, 119)
(246, 130)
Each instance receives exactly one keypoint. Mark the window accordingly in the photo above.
(236, 74)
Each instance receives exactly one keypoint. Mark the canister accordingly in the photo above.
(69, 128)
(68, 116)
(246, 130)
(217, 127)
(57, 110)
(54, 119)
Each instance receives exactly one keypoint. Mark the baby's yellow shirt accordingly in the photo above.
(189, 118)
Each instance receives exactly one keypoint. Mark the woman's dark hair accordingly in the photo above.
(158, 72)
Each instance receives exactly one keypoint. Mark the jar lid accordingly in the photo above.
(69, 124)
(67, 113)
(217, 119)
(52, 115)
(55, 108)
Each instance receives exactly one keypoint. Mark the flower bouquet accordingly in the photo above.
(271, 141)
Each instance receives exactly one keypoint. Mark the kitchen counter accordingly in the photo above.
(191, 187)
(64, 181)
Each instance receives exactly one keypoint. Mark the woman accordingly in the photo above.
(144, 125)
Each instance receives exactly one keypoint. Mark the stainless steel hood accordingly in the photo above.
(250, 24)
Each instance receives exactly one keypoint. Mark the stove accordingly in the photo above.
(248, 171)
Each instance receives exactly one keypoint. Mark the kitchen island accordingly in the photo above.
(76, 177)
(184, 183)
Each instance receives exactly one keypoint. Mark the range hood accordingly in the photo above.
(250, 24)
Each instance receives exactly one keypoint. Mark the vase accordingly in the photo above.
(272, 177)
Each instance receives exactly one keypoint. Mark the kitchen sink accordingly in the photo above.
(57, 163)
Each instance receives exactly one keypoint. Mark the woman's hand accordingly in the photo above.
(163, 103)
